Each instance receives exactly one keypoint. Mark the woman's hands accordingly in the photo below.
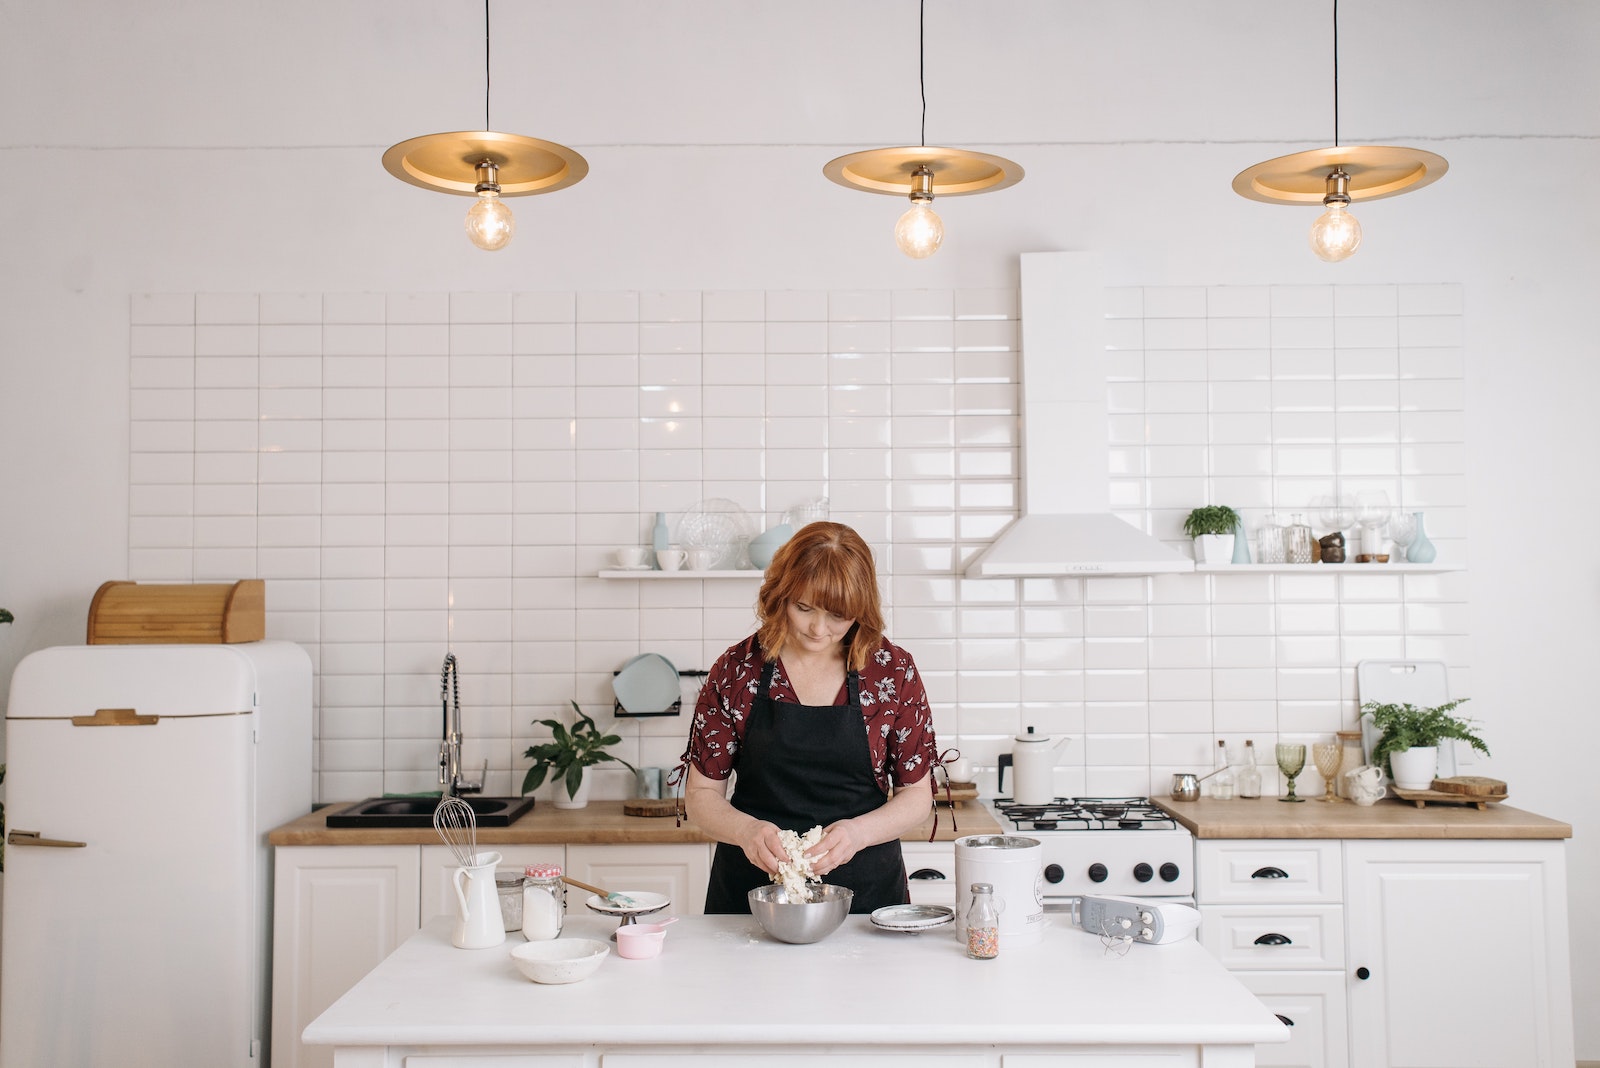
(761, 845)
(840, 842)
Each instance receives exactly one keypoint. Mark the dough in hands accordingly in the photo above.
(795, 872)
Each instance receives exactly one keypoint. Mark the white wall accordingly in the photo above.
(232, 148)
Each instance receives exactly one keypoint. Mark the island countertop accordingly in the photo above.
(1267, 817)
(598, 823)
(722, 985)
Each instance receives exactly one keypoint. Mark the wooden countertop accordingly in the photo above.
(1267, 817)
(599, 823)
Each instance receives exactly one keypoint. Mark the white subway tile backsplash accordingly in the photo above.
(421, 471)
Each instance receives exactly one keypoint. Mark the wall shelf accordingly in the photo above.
(651, 575)
(1339, 569)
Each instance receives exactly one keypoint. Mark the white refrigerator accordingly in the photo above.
(141, 783)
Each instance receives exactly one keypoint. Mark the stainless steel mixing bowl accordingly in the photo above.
(800, 921)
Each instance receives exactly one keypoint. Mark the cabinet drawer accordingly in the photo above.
(1269, 872)
(1293, 937)
(1312, 1004)
(935, 863)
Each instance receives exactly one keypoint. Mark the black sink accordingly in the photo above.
(418, 811)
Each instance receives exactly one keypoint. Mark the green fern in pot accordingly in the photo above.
(1405, 726)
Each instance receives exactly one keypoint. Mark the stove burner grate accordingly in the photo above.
(1087, 814)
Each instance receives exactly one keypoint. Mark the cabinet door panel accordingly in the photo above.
(1465, 947)
(931, 858)
(337, 912)
(682, 872)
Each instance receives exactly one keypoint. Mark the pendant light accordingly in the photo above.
(486, 165)
(919, 172)
(1338, 176)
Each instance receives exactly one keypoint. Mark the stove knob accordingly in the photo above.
(1142, 872)
(1097, 873)
(1053, 873)
(1169, 872)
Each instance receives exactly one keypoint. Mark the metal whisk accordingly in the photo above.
(457, 824)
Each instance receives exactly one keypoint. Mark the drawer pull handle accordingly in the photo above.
(1274, 939)
(927, 873)
(1363, 973)
(1269, 873)
(1284, 1019)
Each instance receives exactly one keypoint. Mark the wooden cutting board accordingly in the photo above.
(1470, 785)
(651, 806)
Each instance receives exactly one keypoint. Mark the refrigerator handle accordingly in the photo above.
(31, 838)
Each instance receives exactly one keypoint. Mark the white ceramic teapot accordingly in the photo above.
(479, 924)
(1033, 764)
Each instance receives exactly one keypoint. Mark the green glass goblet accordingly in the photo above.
(1291, 761)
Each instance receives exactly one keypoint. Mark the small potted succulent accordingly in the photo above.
(1408, 739)
(1213, 528)
(566, 758)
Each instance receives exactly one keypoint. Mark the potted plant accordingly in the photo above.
(1212, 528)
(1408, 739)
(567, 756)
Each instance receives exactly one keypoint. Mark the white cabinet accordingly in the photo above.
(1272, 912)
(931, 872)
(1458, 954)
(680, 871)
(337, 912)
(1397, 953)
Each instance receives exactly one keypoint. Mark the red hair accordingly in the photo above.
(828, 566)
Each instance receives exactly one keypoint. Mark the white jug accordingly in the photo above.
(478, 921)
(1033, 764)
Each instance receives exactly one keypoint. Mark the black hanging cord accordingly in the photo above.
(1335, 73)
(486, 125)
(922, 61)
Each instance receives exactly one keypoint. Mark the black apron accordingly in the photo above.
(802, 766)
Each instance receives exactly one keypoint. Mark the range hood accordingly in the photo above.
(1066, 526)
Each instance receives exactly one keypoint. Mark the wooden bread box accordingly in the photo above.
(132, 613)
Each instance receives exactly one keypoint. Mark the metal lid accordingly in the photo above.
(983, 888)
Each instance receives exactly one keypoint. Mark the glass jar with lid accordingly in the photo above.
(1354, 757)
(543, 902)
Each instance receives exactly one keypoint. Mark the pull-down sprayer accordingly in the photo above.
(450, 745)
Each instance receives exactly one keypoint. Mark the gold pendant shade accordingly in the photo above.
(448, 163)
(892, 171)
(1375, 172)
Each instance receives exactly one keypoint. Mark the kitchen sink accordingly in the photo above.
(418, 811)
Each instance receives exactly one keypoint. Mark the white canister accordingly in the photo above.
(1013, 865)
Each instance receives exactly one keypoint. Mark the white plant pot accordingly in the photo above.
(577, 800)
(1214, 549)
(1415, 768)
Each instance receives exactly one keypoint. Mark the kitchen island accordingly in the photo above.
(725, 993)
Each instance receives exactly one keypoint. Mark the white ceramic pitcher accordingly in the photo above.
(478, 921)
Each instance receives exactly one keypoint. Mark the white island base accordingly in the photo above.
(723, 994)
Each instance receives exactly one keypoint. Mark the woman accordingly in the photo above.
(821, 716)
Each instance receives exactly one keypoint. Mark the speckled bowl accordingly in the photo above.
(559, 960)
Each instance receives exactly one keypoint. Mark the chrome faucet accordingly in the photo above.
(450, 745)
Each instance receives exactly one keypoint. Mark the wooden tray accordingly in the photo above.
(1420, 798)
(1472, 785)
(960, 793)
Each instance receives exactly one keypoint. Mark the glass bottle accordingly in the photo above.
(1249, 780)
(543, 902)
(659, 539)
(1297, 541)
(1222, 778)
(983, 924)
(1270, 535)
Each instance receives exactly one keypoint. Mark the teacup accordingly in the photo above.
(701, 559)
(1364, 785)
(631, 556)
(670, 559)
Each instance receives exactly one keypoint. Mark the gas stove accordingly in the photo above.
(1104, 845)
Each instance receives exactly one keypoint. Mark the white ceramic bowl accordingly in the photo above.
(559, 960)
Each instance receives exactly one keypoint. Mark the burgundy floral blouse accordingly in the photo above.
(893, 703)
